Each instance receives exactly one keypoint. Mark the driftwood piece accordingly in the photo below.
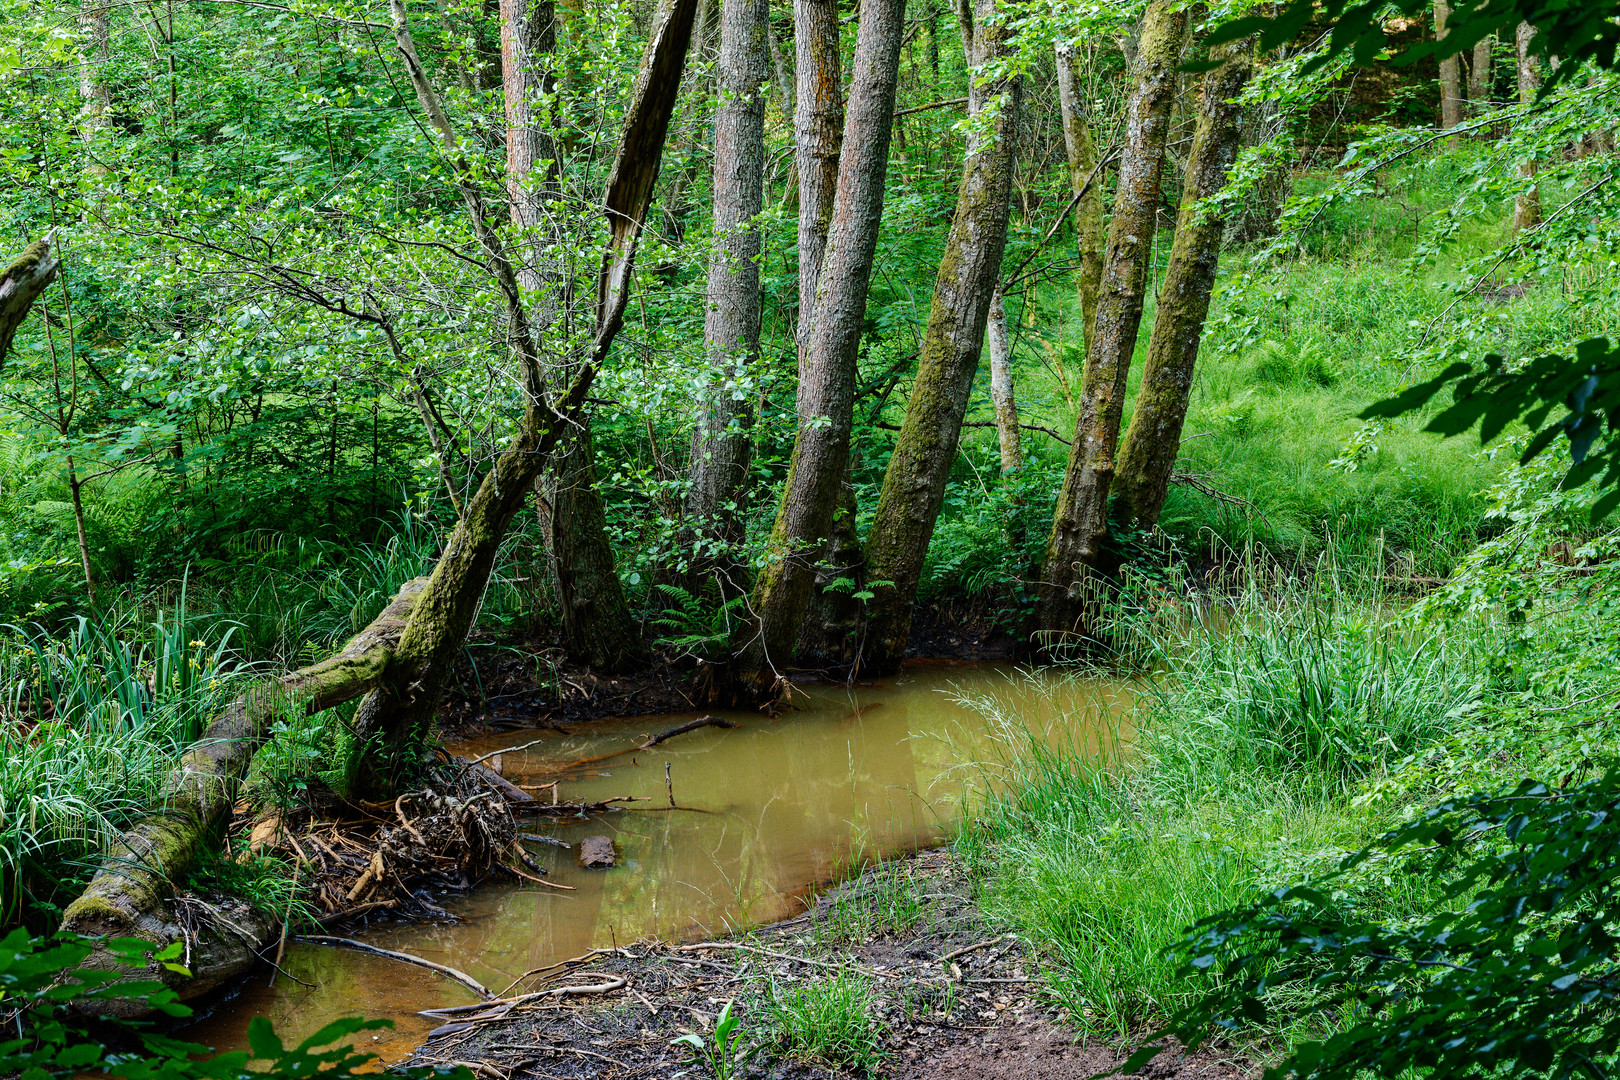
(126, 896)
(359, 946)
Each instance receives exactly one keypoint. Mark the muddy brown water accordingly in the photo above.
(780, 808)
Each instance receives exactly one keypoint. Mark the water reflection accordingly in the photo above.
(778, 806)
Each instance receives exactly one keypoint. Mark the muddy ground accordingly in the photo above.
(947, 995)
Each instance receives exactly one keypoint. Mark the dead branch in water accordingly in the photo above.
(654, 740)
(349, 943)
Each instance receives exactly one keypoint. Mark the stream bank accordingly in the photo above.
(895, 973)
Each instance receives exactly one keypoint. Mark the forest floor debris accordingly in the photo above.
(939, 993)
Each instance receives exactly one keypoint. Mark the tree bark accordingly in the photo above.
(1451, 86)
(831, 635)
(1527, 207)
(1075, 551)
(721, 442)
(969, 270)
(395, 718)
(827, 361)
(1001, 385)
(1148, 454)
(96, 97)
(126, 898)
(1479, 75)
(1088, 216)
(596, 624)
(818, 125)
(21, 283)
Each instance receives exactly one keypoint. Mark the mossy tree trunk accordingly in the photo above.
(1075, 553)
(21, 284)
(1148, 453)
(596, 624)
(969, 269)
(1083, 175)
(1527, 207)
(721, 441)
(126, 898)
(764, 643)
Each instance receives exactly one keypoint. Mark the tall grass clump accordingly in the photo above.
(1261, 711)
(91, 720)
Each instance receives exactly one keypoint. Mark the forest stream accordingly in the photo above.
(778, 809)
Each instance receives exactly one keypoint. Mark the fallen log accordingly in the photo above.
(128, 897)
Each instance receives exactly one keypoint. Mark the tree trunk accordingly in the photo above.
(818, 125)
(827, 359)
(1527, 207)
(596, 623)
(95, 96)
(1451, 86)
(405, 655)
(969, 269)
(394, 719)
(1148, 454)
(721, 442)
(1479, 75)
(1001, 385)
(21, 284)
(830, 639)
(75, 491)
(1075, 552)
(126, 898)
(1088, 216)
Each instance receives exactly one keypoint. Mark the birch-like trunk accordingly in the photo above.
(1001, 384)
(828, 347)
(1148, 453)
(1075, 551)
(969, 270)
(1451, 84)
(1527, 207)
(1479, 75)
(1083, 174)
(721, 442)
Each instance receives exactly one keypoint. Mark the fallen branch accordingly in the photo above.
(494, 1010)
(730, 945)
(948, 957)
(349, 943)
(654, 740)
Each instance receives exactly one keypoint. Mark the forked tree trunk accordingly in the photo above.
(1001, 384)
(1071, 570)
(721, 441)
(969, 269)
(21, 284)
(1147, 456)
(1088, 216)
(1527, 207)
(764, 644)
(404, 667)
(1451, 84)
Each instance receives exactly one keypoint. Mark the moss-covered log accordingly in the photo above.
(20, 285)
(1077, 547)
(969, 269)
(128, 895)
(1147, 456)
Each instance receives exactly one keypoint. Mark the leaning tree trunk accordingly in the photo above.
(914, 485)
(721, 442)
(1083, 178)
(1075, 552)
(21, 284)
(764, 644)
(405, 667)
(1451, 84)
(1527, 207)
(127, 898)
(1147, 456)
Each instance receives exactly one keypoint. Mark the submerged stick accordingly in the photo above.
(654, 740)
(349, 943)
